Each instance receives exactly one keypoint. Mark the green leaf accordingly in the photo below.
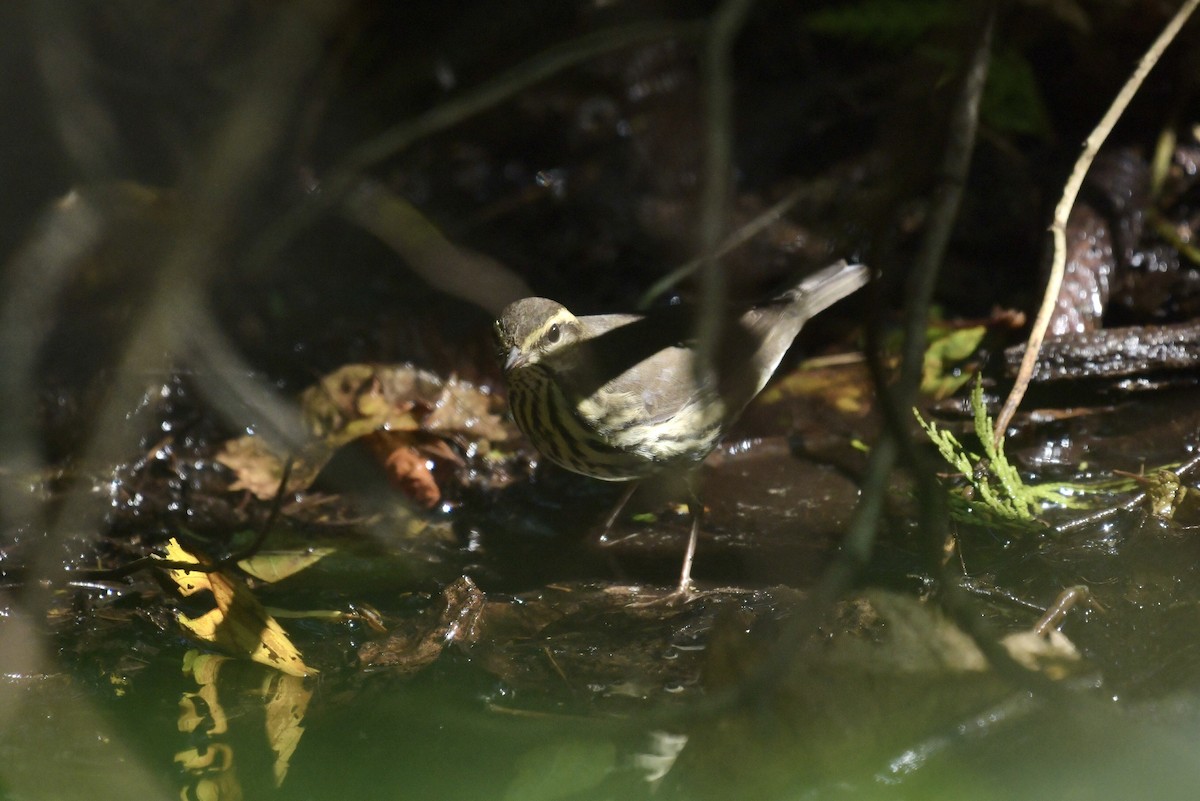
(1012, 101)
(940, 373)
(272, 566)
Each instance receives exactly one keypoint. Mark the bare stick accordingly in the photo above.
(344, 175)
(1063, 210)
(714, 205)
(735, 240)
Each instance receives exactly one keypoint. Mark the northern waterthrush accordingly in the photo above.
(622, 396)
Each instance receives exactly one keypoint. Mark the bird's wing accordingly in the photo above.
(662, 385)
(635, 360)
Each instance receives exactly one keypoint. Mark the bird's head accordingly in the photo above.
(532, 329)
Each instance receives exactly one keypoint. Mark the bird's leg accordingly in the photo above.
(684, 592)
(616, 512)
(697, 510)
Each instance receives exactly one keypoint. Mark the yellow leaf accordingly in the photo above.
(238, 624)
(845, 387)
(204, 669)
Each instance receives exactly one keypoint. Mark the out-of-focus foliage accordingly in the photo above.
(1012, 101)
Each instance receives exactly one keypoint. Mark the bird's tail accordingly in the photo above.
(826, 287)
(773, 327)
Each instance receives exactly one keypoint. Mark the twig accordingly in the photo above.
(272, 516)
(448, 267)
(31, 287)
(1128, 506)
(732, 242)
(212, 201)
(1061, 212)
(859, 541)
(714, 205)
(343, 177)
(955, 165)
(492, 93)
(155, 563)
(1067, 600)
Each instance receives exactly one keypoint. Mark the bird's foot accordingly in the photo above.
(607, 538)
(682, 595)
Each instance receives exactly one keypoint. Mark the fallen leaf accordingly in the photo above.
(408, 651)
(357, 399)
(216, 757)
(845, 387)
(259, 469)
(238, 624)
(942, 373)
(204, 668)
(1052, 654)
(465, 409)
(272, 566)
(412, 410)
(407, 467)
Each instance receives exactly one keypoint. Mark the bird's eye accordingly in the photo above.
(554, 334)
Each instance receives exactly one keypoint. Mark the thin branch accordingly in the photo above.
(858, 543)
(732, 242)
(1133, 502)
(33, 280)
(1067, 202)
(956, 162)
(211, 204)
(157, 563)
(448, 267)
(344, 176)
(714, 205)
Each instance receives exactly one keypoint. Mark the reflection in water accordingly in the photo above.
(210, 764)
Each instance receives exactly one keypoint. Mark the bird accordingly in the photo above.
(621, 397)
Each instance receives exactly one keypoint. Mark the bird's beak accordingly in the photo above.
(515, 359)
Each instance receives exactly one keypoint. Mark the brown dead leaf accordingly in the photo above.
(357, 399)
(259, 468)
(408, 471)
(406, 415)
(465, 409)
(411, 650)
(330, 403)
